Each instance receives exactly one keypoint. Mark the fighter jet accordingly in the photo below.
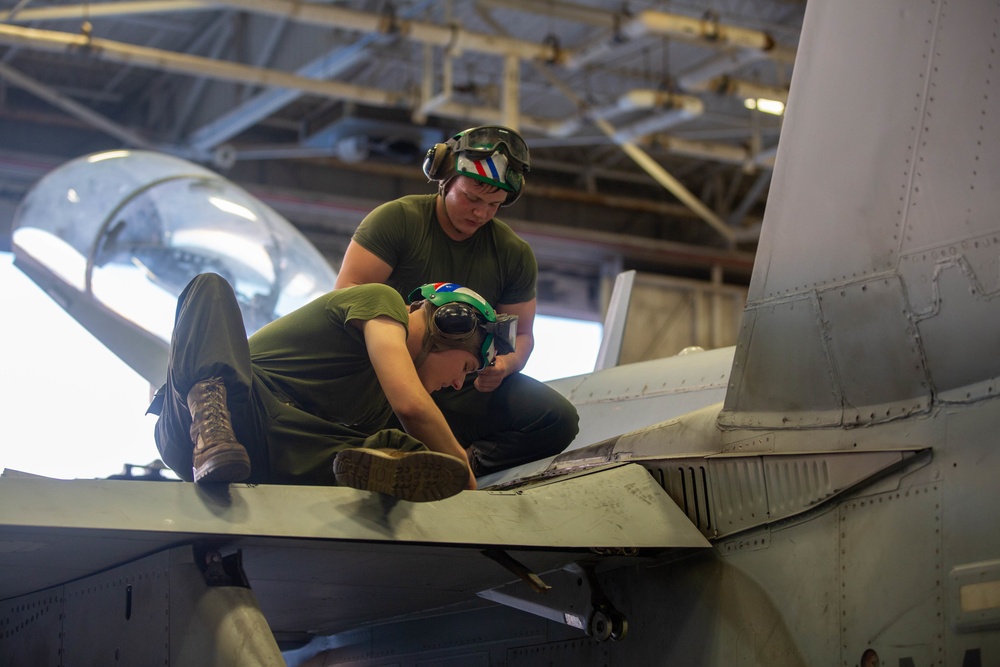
(823, 493)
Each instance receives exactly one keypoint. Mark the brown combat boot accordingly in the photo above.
(415, 476)
(218, 455)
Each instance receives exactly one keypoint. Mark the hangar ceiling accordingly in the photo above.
(644, 153)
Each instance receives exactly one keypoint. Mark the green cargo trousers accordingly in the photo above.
(286, 444)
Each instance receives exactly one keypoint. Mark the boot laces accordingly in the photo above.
(214, 418)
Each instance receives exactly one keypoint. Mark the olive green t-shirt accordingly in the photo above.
(405, 234)
(316, 361)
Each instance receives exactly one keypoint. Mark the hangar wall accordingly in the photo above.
(669, 314)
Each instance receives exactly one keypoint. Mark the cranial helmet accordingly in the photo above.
(461, 319)
(490, 154)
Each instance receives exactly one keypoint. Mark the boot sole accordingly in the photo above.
(417, 476)
(230, 466)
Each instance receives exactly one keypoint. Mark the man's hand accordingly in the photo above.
(490, 377)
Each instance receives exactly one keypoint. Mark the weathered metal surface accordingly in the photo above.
(76, 527)
(881, 231)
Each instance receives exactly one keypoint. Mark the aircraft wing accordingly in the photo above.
(324, 559)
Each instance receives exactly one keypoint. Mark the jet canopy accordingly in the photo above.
(129, 229)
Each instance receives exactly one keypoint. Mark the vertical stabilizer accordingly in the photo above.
(875, 294)
(610, 353)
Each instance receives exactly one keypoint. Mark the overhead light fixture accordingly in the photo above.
(764, 105)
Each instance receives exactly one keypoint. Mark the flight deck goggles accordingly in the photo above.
(482, 142)
(458, 322)
(461, 313)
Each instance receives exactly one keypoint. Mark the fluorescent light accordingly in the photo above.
(765, 105)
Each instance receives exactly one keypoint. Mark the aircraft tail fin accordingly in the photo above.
(875, 291)
(610, 352)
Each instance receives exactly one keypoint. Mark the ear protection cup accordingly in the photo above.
(435, 161)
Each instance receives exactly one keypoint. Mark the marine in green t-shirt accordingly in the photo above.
(307, 398)
(494, 258)
(502, 417)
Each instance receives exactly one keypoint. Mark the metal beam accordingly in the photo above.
(210, 136)
(90, 11)
(445, 36)
(73, 108)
